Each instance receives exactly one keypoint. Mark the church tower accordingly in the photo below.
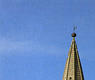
(73, 68)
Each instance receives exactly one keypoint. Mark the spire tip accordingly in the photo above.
(74, 34)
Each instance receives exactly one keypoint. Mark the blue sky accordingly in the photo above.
(35, 37)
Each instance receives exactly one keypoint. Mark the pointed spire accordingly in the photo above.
(73, 69)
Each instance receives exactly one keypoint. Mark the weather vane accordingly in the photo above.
(75, 27)
(74, 34)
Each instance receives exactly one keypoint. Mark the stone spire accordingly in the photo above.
(73, 69)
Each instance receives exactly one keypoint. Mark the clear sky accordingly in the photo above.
(35, 37)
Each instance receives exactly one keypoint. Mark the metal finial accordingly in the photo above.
(74, 34)
(75, 27)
